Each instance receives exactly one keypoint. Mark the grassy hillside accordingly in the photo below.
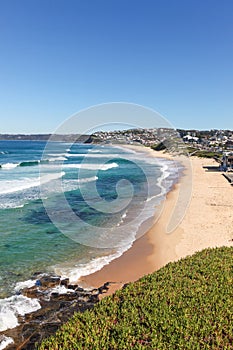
(203, 154)
(185, 305)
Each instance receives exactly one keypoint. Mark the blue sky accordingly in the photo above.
(60, 56)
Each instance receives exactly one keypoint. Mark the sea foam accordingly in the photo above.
(13, 306)
(5, 341)
(90, 166)
(9, 165)
(11, 186)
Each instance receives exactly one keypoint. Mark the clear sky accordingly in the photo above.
(60, 56)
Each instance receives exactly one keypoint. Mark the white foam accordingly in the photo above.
(9, 165)
(87, 179)
(13, 306)
(12, 205)
(91, 166)
(76, 155)
(95, 151)
(122, 218)
(5, 341)
(57, 158)
(71, 185)
(8, 320)
(25, 284)
(108, 166)
(94, 155)
(8, 186)
(61, 290)
(167, 168)
(58, 154)
(80, 270)
(49, 177)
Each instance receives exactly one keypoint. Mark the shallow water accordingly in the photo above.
(84, 212)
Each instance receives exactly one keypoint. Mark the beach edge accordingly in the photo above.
(211, 194)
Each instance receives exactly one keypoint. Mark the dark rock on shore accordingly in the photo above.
(59, 300)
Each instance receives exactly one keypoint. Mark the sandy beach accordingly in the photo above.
(207, 223)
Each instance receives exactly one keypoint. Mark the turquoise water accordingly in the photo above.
(71, 208)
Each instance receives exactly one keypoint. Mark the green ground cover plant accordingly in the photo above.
(185, 305)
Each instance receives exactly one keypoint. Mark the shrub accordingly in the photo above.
(185, 305)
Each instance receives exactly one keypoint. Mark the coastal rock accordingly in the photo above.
(56, 309)
(49, 281)
(104, 288)
(65, 282)
(72, 286)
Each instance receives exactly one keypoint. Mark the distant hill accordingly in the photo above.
(45, 137)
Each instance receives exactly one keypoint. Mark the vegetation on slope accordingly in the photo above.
(203, 153)
(158, 147)
(185, 305)
(192, 151)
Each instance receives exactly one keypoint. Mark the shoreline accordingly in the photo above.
(138, 260)
(211, 194)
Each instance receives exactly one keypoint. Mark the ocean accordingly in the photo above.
(70, 209)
